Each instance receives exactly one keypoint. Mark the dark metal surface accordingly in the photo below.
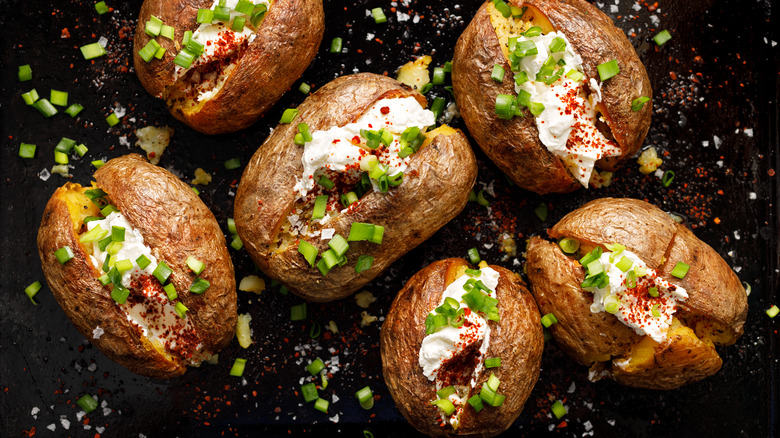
(715, 118)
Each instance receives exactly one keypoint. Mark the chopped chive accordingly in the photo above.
(548, 320)
(27, 150)
(87, 403)
(445, 405)
(233, 163)
(379, 15)
(101, 7)
(638, 103)
(308, 251)
(426, 88)
(320, 206)
(63, 254)
(238, 24)
(364, 263)
(366, 397)
(199, 286)
(541, 211)
(326, 182)
(438, 76)
(25, 73)
(298, 312)
(170, 291)
(245, 7)
(558, 409)
(30, 97)
(304, 88)
(536, 108)
(338, 244)
(321, 405)
(662, 37)
(195, 265)
(153, 26)
(32, 290)
(112, 119)
(772, 311)
(149, 50)
(162, 272)
(59, 98)
(476, 402)
(236, 243)
(569, 245)
(309, 392)
(315, 366)
(498, 73)
(237, 370)
(474, 257)
(97, 164)
(204, 16)
(493, 362)
(231, 223)
(288, 115)
(92, 51)
(81, 150)
(608, 69)
(45, 107)
(335, 45)
(557, 45)
(680, 270)
(181, 309)
(438, 106)
(667, 179)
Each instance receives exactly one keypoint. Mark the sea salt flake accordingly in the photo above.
(44, 174)
(52, 427)
(748, 132)
(97, 332)
(752, 195)
(327, 233)
(65, 422)
(34, 412)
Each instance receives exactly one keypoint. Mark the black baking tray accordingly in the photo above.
(715, 119)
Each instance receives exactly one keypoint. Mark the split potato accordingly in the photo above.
(574, 116)
(124, 310)
(516, 339)
(226, 78)
(276, 201)
(680, 351)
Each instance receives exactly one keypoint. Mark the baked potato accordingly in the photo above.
(108, 249)
(536, 82)
(667, 301)
(215, 77)
(440, 372)
(369, 167)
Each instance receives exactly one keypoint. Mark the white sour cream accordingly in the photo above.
(334, 150)
(448, 342)
(635, 304)
(567, 124)
(132, 248)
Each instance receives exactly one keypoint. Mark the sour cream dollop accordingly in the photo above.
(448, 342)
(635, 307)
(340, 148)
(567, 124)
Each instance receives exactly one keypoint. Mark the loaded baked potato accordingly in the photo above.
(140, 266)
(355, 171)
(461, 349)
(221, 67)
(638, 297)
(550, 88)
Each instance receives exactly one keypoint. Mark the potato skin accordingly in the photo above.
(517, 339)
(514, 144)
(287, 41)
(435, 189)
(715, 294)
(175, 224)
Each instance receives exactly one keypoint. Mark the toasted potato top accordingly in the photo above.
(268, 206)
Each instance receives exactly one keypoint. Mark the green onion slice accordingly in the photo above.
(662, 37)
(569, 245)
(498, 73)
(199, 286)
(476, 402)
(338, 244)
(680, 270)
(541, 211)
(335, 45)
(558, 409)
(162, 272)
(32, 290)
(309, 392)
(233, 163)
(667, 179)
(315, 366)
(638, 103)
(379, 15)
(170, 291)
(438, 76)
(308, 251)
(548, 320)
(92, 51)
(195, 265)
(288, 115)
(63, 254)
(445, 405)
(608, 69)
(298, 312)
(474, 257)
(321, 405)
(237, 370)
(493, 362)
(364, 263)
(320, 205)
(87, 403)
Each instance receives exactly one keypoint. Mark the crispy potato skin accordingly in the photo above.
(287, 41)
(517, 339)
(175, 224)
(514, 144)
(715, 294)
(435, 189)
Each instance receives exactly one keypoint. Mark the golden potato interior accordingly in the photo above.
(79, 206)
